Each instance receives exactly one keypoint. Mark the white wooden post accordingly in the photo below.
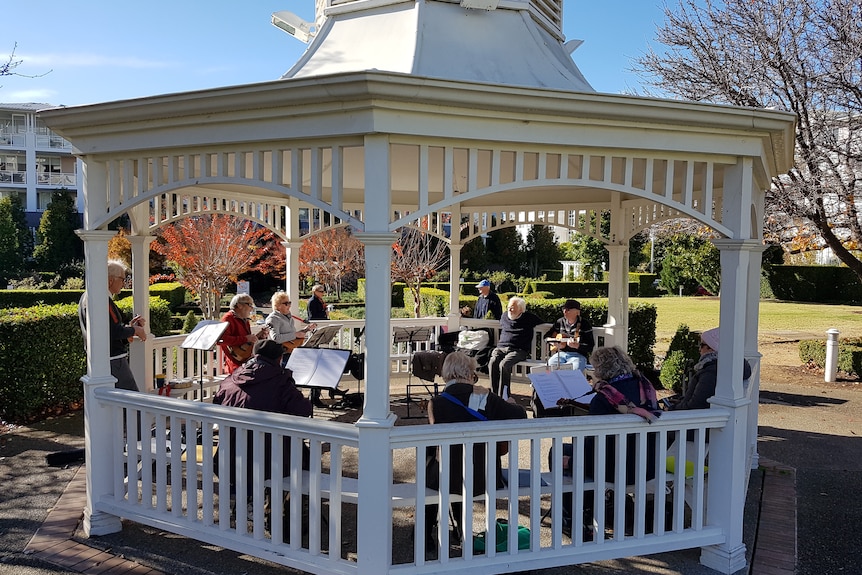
(98, 435)
(374, 543)
(831, 371)
(454, 321)
(752, 355)
(140, 361)
(728, 468)
(618, 296)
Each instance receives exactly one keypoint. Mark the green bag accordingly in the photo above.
(502, 537)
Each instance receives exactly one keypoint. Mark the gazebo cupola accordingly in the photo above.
(446, 39)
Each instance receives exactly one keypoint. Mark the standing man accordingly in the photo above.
(316, 306)
(575, 335)
(488, 302)
(516, 337)
(120, 332)
(317, 310)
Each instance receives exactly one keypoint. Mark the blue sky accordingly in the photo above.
(101, 50)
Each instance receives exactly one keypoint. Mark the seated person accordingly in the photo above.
(261, 383)
(462, 401)
(701, 384)
(619, 389)
(516, 337)
(576, 337)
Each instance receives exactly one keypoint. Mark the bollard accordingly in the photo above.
(831, 367)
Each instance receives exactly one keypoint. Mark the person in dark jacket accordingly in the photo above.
(516, 337)
(701, 384)
(262, 384)
(460, 402)
(120, 331)
(488, 302)
(576, 337)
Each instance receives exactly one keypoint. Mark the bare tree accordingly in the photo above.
(804, 56)
(417, 257)
(8, 67)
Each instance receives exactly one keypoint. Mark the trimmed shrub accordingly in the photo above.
(682, 353)
(813, 352)
(39, 373)
(23, 298)
(160, 314)
(173, 292)
(190, 322)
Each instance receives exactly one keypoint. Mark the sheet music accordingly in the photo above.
(553, 385)
(317, 367)
(205, 335)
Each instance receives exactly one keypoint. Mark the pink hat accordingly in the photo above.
(710, 338)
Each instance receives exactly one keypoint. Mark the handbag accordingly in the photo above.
(501, 530)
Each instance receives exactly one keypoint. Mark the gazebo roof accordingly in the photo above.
(442, 40)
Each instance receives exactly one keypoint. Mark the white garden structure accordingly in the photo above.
(403, 111)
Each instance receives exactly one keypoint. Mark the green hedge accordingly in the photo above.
(849, 354)
(23, 298)
(174, 293)
(822, 284)
(41, 361)
(39, 374)
(160, 314)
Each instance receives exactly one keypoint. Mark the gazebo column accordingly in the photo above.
(752, 350)
(291, 258)
(728, 469)
(617, 325)
(139, 359)
(454, 318)
(375, 425)
(98, 432)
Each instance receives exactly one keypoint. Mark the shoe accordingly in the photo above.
(316, 402)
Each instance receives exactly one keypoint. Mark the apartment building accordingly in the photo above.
(34, 161)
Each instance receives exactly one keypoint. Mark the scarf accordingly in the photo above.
(649, 413)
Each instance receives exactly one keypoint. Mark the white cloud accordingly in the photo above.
(20, 96)
(88, 60)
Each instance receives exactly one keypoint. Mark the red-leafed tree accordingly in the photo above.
(207, 253)
(331, 255)
(417, 257)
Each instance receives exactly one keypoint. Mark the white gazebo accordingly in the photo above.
(400, 112)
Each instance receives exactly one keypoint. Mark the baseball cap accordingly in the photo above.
(483, 283)
(268, 348)
(572, 304)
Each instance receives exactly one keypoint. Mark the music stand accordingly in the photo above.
(322, 336)
(204, 337)
(410, 336)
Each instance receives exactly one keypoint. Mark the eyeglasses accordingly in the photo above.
(284, 303)
(703, 345)
(246, 303)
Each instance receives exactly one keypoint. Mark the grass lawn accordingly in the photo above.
(700, 313)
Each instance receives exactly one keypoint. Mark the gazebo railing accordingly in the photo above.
(167, 476)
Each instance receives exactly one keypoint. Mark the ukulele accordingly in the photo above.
(241, 353)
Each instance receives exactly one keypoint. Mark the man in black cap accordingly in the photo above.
(575, 335)
(261, 383)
